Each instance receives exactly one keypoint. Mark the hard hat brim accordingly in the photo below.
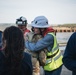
(39, 26)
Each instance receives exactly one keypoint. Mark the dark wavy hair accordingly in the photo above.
(13, 50)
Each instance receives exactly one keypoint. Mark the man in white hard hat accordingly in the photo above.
(22, 24)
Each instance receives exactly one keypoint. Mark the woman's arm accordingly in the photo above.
(43, 43)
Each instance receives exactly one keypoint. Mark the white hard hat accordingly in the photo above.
(21, 21)
(40, 22)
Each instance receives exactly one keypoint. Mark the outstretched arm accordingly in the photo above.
(43, 43)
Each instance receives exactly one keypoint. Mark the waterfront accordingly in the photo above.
(62, 37)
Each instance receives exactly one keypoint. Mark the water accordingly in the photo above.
(3, 26)
(62, 37)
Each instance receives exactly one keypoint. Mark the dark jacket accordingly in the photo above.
(69, 58)
(26, 65)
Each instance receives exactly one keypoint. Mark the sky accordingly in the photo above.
(56, 11)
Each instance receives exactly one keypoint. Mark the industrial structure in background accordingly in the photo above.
(65, 28)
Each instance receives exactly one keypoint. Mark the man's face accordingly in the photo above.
(22, 27)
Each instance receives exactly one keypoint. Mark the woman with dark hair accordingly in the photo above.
(13, 59)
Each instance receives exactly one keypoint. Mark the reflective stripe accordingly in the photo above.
(48, 61)
(51, 56)
(55, 48)
(57, 56)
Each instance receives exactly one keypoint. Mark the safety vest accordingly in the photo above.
(54, 57)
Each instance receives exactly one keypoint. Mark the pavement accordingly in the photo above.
(64, 71)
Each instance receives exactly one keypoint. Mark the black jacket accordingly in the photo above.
(69, 58)
(26, 65)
